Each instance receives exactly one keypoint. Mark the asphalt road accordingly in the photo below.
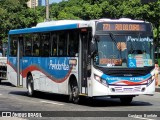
(52, 106)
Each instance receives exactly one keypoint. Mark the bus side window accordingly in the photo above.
(14, 50)
(13, 47)
(36, 45)
(73, 43)
(36, 50)
(46, 50)
(72, 51)
(28, 51)
(54, 44)
(44, 41)
(62, 43)
(28, 45)
(54, 51)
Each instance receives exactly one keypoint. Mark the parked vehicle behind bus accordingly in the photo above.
(3, 63)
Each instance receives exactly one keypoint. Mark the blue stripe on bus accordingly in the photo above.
(126, 80)
(43, 29)
(57, 67)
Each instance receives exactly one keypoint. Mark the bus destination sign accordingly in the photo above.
(121, 27)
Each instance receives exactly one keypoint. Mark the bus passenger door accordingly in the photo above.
(19, 61)
(83, 64)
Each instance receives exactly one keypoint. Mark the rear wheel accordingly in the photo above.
(30, 85)
(126, 100)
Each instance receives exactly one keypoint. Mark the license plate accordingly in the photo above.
(128, 89)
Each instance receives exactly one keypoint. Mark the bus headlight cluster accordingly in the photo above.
(101, 80)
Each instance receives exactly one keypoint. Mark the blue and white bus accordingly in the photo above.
(94, 58)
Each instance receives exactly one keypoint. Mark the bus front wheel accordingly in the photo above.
(30, 85)
(74, 93)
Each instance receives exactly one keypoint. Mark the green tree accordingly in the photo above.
(15, 14)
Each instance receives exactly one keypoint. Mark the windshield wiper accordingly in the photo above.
(113, 38)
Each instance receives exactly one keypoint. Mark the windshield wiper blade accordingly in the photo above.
(113, 38)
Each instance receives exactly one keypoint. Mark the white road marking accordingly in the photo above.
(54, 103)
(0, 94)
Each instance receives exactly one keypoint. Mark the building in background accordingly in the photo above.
(34, 3)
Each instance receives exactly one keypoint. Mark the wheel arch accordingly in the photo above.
(72, 80)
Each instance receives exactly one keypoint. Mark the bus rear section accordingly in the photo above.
(123, 59)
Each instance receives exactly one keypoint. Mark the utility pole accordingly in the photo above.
(47, 10)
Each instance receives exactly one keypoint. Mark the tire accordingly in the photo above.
(30, 85)
(74, 93)
(70, 93)
(126, 100)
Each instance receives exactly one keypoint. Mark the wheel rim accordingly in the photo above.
(30, 86)
(75, 96)
(70, 92)
(29, 89)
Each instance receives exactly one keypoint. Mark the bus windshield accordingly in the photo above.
(131, 51)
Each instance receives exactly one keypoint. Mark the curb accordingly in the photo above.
(157, 89)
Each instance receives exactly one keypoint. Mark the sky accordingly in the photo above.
(51, 1)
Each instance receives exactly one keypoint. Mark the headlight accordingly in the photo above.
(96, 77)
(101, 80)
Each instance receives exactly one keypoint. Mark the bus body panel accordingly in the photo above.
(11, 70)
(11, 75)
(106, 91)
(50, 77)
(145, 85)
